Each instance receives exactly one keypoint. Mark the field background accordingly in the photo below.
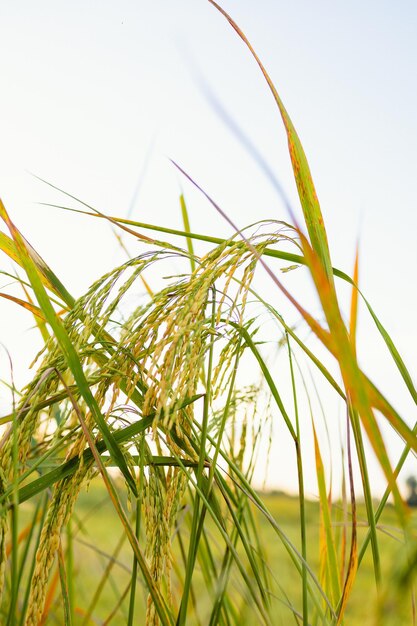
(96, 543)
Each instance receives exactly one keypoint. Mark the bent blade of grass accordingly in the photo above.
(106, 217)
(381, 404)
(316, 229)
(47, 277)
(318, 260)
(25, 286)
(279, 254)
(305, 186)
(32, 308)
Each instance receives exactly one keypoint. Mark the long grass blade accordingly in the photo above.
(186, 222)
(306, 191)
(352, 567)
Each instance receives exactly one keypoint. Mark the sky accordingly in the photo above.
(97, 97)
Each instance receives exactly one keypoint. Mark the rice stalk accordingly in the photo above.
(149, 385)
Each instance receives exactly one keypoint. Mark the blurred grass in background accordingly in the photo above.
(98, 556)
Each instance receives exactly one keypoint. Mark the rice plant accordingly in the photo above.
(143, 398)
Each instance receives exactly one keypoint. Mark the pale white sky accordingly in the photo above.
(91, 89)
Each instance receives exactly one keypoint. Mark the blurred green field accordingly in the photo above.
(103, 562)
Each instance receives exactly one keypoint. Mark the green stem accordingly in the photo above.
(137, 531)
(357, 432)
(300, 489)
(194, 539)
(70, 571)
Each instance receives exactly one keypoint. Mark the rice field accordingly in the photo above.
(127, 463)
(103, 563)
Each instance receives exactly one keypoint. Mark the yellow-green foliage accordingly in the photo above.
(148, 396)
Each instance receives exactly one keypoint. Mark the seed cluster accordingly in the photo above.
(154, 362)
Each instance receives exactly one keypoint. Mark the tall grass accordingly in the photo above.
(146, 396)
